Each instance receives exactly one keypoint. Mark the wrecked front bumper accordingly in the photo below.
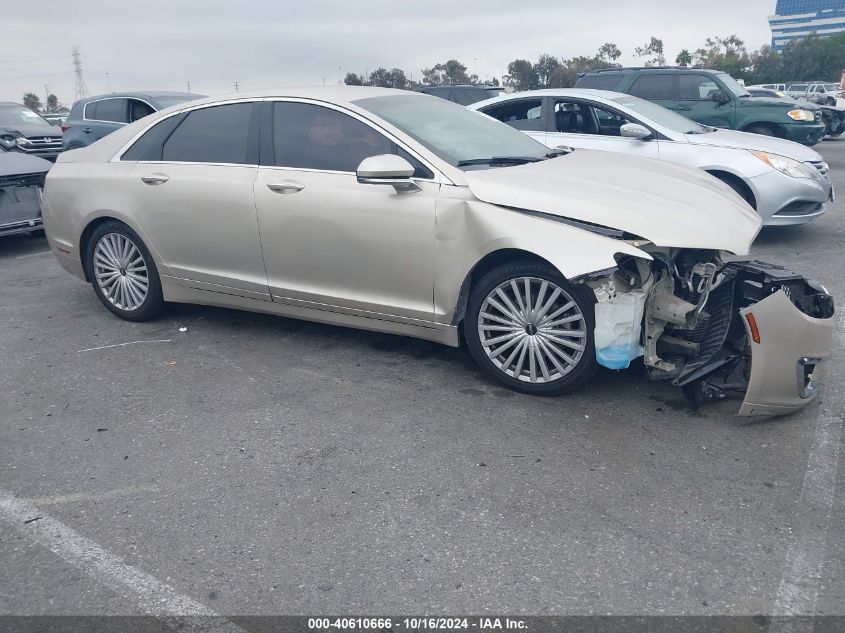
(768, 334)
(788, 350)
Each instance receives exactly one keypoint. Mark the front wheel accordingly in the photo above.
(531, 330)
(763, 130)
(123, 273)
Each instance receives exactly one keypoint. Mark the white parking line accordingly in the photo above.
(94, 349)
(151, 595)
(799, 585)
(83, 496)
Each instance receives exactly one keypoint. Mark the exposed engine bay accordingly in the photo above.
(695, 321)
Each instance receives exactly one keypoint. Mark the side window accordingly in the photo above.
(609, 122)
(138, 110)
(696, 87)
(654, 87)
(309, 136)
(148, 146)
(524, 114)
(112, 110)
(217, 134)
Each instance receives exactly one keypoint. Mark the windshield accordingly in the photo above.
(733, 85)
(452, 132)
(662, 116)
(166, 102)
(18, 115)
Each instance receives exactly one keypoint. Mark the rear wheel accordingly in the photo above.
(123, 273)
(531, 330)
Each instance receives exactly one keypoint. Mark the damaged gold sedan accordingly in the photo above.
(399, 212)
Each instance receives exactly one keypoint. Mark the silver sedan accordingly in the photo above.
(785, 182)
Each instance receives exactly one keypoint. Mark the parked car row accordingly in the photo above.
(400, 212)
(713, 98)
(786, 183)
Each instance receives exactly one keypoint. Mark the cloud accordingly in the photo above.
(263, 43)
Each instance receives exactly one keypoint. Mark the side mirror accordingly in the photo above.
(387, 169)
(635, 130)
(720, 97)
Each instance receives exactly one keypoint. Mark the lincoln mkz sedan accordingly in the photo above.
(785, 182)
(404, 213)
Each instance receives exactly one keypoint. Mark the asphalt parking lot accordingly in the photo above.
(259, 465)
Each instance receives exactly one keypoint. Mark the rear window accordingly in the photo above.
(604, 81)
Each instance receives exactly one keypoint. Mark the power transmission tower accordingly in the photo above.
(81, 87)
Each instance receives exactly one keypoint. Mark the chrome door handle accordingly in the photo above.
(155, 179)
(285, 187)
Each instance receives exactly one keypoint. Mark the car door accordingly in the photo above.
(330, 242)
(583, 124)
(192, 194)
(696, 100)
(103, 117)
(526, 115)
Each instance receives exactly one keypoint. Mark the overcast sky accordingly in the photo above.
(158, 44)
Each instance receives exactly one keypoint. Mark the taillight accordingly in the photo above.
(65, 127)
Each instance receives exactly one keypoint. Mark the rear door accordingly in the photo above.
(103, 117)
(192, 193)
(661, 88)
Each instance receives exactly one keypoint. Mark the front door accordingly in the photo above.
(695, 100)
(330, 242)
(579, 124)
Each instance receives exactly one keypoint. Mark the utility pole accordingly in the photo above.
(46, 95)
(81, 87)
(189, 87)
(236, 86)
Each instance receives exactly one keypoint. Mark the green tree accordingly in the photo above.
(684, 58)
(766, 66)
(521, 75)
(52, 102)
(31, 101)
(727, 54)
(449, 72)
(652, 52)
(609, 53)
(352, 79)
(545, 68)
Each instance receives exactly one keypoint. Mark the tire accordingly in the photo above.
(529, 360)
(763, 130)
(123, 273)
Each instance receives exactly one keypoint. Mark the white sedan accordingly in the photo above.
(785, 182)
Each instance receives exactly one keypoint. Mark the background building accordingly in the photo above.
(797, 18)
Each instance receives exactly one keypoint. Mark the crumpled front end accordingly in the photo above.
(714, 329)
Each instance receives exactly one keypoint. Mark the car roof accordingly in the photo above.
(592, 93)
(337, 94)
(149, 94)
(667, 69)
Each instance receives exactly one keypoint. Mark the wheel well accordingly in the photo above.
(739, 183)
(86, 236)
(485, 265)
(777, 130)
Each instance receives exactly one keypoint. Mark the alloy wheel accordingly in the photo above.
(121, 272)
(532, 330)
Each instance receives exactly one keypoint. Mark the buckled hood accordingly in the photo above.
(668, 204)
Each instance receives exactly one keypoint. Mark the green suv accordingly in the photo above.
(712, 98)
